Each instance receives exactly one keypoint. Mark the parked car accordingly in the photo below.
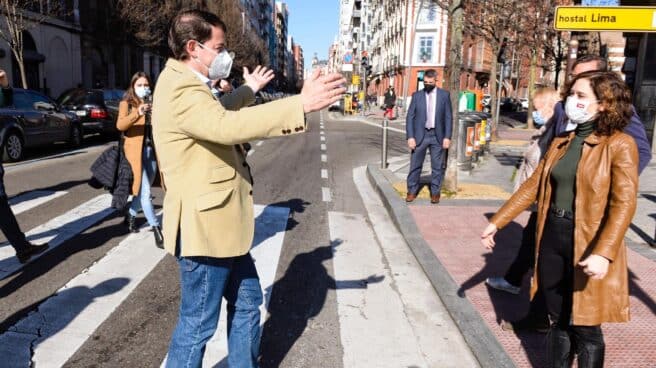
(523, 103)
(96, 108)
(33, 119)
(510, 104)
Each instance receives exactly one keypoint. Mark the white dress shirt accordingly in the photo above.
(430, 108)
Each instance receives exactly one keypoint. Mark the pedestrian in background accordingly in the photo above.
(428, 127)
(8, 224)
(135, 123)
(586, 188)
(208, 205)
(390, 101)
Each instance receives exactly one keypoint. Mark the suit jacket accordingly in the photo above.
(209, 199)
(415, 121)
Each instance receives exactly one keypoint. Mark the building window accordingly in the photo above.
(425, 51)
(428, 15)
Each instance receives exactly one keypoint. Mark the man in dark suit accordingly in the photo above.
(8, 224)
(428, 127)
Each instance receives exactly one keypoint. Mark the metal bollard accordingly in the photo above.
(383, 158)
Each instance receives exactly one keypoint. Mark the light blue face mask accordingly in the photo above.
(537, 118)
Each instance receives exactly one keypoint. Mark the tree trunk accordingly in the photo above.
(531, 88)
(18, 54)
(493, 96)
(455, 64)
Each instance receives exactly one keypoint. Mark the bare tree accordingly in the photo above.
(149, 21)
(493, 21)
(20, 16)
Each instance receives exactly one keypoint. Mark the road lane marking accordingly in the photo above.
(259, 143)
(61, 324)
(323, 139)
(29, 200)
(323, 146)
(424, 319)
(324, 158)
(250, 152)
(324, 174)
(58, 230)
(325, 194)
(270, 227)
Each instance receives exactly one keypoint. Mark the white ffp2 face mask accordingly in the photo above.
(220, 66)
(577, 110)
(142, 92)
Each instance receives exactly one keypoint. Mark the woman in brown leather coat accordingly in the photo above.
(585, 188)
(134, 121)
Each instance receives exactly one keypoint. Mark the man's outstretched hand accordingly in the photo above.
(258, 78)
(322, 90)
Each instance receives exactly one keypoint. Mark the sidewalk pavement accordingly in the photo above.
(445, 239)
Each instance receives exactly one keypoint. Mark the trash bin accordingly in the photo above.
(476, 138)
(466, 126)
(471, 100)
(483, 132)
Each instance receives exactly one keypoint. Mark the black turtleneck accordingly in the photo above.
(563, 175)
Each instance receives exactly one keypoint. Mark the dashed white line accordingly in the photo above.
(323, 146)
(324, 174)
(250, 152)
(324, 158)
(325, 193)
(323, 139)
(259, 143)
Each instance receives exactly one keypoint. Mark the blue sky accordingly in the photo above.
(313, 24)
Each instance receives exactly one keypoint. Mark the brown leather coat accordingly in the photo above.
(133, 126)
(605, 202)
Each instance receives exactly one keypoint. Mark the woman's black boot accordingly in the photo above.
(590, 346)
(131, 222)
(559, 349)
(159, 238)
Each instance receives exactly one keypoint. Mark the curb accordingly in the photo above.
(483, 344)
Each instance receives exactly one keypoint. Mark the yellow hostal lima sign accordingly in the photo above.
(605, 18)
(355, 80)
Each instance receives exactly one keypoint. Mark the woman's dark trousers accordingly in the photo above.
(555, 265)
(10, 228)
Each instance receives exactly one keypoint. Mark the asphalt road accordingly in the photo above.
(303, 324)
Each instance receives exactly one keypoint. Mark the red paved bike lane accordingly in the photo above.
(453, 233)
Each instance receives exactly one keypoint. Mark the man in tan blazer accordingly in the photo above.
(208, 207)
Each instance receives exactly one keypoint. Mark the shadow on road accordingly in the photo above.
(308, 280)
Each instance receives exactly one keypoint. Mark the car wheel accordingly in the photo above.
(76, 136)
(13, 148)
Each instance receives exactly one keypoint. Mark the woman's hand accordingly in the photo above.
(143, 108)
(595, 266)
(487, 238)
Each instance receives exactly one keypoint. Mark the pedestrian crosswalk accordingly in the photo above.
(58, 230)
(372, 285)
(61, 324)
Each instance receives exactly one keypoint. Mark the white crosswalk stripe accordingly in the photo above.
(50, 335)
(59, 229)
(33, 199)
